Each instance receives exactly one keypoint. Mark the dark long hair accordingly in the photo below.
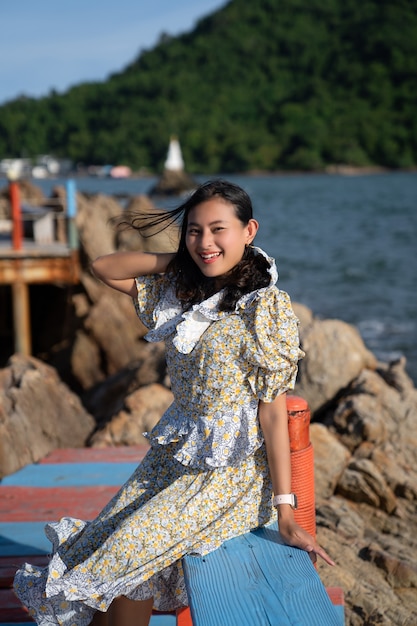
(191, 285)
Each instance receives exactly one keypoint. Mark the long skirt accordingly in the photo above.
(134, 547)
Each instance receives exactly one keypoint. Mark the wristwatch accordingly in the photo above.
(286, 498)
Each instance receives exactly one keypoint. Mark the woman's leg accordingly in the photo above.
(100, 619)
(125, 612)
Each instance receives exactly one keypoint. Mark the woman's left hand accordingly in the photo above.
(294, 535)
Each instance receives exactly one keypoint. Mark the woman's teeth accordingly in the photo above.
(210, 256)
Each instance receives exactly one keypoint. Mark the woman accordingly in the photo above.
(219, 452)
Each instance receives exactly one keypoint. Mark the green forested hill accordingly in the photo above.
(260, 84)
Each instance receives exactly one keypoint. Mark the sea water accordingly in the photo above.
(346, 246)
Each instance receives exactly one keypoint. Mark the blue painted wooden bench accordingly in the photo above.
(256, 580)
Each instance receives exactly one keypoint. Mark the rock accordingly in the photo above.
(304, 314)
(38, 413)
(401, 572)
(28, 193)
(330, 459)
(115, 329)
(341, 517)
(382, 416)
(94, 224)
(401, 480)
(5, 212)
(395, 375)
(107, 398)
(173, 183)
(142, 410)
(86, 361)
(156, 240)
(374, 552)
(113, 324)
(359, 414)
(376, 565)
(362, 482)
(57, 200)
(107, 333)
(335, 355)
(174, 179)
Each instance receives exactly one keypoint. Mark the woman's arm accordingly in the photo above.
(273, 419)
(120, 269)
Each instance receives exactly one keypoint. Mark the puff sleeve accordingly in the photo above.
(151, 290)
(272, 350)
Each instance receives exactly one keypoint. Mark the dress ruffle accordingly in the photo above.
(61, 594)
(223, 439)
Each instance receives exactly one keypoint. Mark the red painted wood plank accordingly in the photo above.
(115, 454)
(10, 564)
(11, 609)
(17, 616)
(336, 595)
(37, 504)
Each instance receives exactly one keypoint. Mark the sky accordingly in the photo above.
(47, 44)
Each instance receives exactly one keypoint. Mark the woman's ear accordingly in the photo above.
(252, 229)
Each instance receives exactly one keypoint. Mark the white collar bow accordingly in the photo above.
(191, 324)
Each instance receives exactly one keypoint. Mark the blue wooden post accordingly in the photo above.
(71, 214)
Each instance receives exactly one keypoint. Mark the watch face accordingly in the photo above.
(295, 501)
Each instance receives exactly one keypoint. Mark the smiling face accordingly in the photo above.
(216, 237)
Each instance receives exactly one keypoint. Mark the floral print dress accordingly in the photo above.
(205, 478)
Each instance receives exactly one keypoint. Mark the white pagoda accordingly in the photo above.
(174, 161)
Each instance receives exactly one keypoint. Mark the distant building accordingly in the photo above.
(15, 168)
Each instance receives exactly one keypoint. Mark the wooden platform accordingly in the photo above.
(75, 482)
(79, 482)
(36, 264)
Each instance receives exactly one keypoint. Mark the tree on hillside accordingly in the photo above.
(266, 84)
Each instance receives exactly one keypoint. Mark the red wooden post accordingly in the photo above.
(17, 235)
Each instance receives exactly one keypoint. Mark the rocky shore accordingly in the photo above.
(103, 385)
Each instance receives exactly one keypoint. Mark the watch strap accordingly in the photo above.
(285, 498)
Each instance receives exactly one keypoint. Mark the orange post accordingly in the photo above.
(302, 462)
(17, 235)
(184, 617)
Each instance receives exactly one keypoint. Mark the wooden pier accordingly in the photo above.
(77, 482)
(39, 260)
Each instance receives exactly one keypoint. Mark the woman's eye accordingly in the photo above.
(218, 228)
